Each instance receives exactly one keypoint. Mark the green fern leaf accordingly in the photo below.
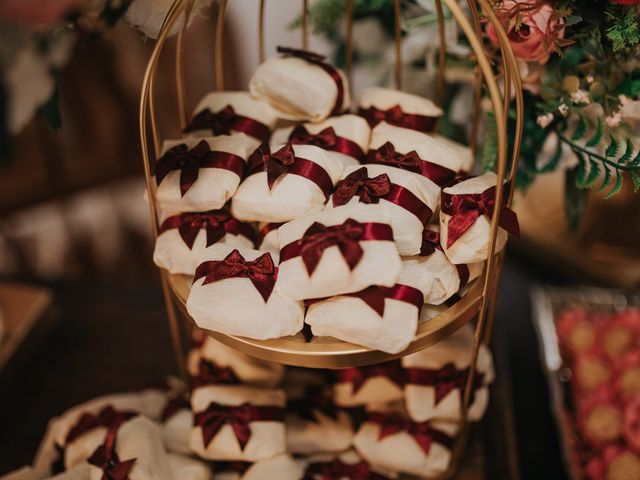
(581, 171)
(594, 173)
(635, 176)
(613, 148)
(554, 160)
(628, 153)
(636, 161)
(597, 135)
(581, 128)
(607, 179)
(616, 186)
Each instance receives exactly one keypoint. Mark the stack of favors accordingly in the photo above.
(298, 206)
(247, 419)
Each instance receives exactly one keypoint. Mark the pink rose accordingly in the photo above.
(534, 40)
(36, 12)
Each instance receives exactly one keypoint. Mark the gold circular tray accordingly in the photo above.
(327, 352)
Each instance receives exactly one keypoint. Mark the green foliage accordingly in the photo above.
(624, 32)
(575, 200)
(490, 146)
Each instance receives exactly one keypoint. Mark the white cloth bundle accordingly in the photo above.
(379, 318)
(248, 370)
(385, 99)
(79, 472)
(282, 467)
(299, 89)
(436, 377)
(183, 238)
(473, 245)
(221, 113)
(368, 385)
(140, 440)
(274, 192)
(341, 250)
(24, 473)
(345, 136)
(410, 199)
(187, 468)
(391, 442)
(222, 411)
(460, 150)
(268, 239)
(218, 163)
(243, 303)
(177, 420)
(347, 465)
(440, 160)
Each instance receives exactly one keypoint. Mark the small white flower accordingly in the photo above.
(563, 109)
(580, 97)
(614, 120)
(590, 78)
(545, 120)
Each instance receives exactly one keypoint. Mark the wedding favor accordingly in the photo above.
(268, 239)
(338, 251)
(176, 422)
(197, 175)
(282, 467)
(466, 209)
(410, 200)
(286, 183)
(251, 307)
(436, 378)
(234, 422)
(188, 468)
(346, 136)
(375, 384)
(182, 238)
(347, 465)
(301, 86)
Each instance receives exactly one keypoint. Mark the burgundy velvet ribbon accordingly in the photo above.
(423, 433)
(395, 116)
(326, 139)
(224, 121)
(463, 273)
(318, 60)
(444, 380)
(371, 190)
(337, 470)
(108, 417)
(314, 400)
(465, 209)
(357, 377)
(387, 155)
(375, 296)
(106, 458)
(264, 231)
(211, 374)
(239, 418)
(174, 405)
(190, 161)
(260, 271)
(217, 224)
(346, 237)
(284, 161)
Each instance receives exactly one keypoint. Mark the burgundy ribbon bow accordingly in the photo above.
(325, 139)
(211, 374)
(106, 458)
(392, 371)
(465, 209)
(260, 271)
(319, 237)
(359, 184)
(239, 418)
(318, 60)
(423, 433)
(395, 116)
(108, 417)
(375, 296)
(174, 405)
(444, 380)
(226, 120)
(430, 242)
(314, 400)
(337, 470)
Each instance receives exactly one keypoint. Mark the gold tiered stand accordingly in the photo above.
(479, 299)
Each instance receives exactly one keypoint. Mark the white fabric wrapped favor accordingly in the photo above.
(184, 467)
(436, 377)
(79, 472)
(345, 136)
(410, 199)
(387, 98)
(221, 404)
(242, 304)
(292, 195)
(300, 90)
(176, 249)
(282, 467)
(268, 239)
(177, 419)
(368, 385)
(379, 318)
(346, 465)
(24, 473)
(473, 245)
(219, 162)
(361, 229)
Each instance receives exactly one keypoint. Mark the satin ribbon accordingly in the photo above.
(444, 380)
(346, 237)
(464, 210)
(327, 140)
(212, 374)
(239, 418)
(314, 400)
(264, 231)
(106, 458)
(431, 243)
(395, 116)
(190, 161)
(318, 60)
(217, 223)
(337, 470)
(283, 162)
(173, 406)
(260, 271)
(224, 121)
(375, 296)
(423, 433)
(108, 417)
(387, 155)
(371, 190)
(357, 377)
